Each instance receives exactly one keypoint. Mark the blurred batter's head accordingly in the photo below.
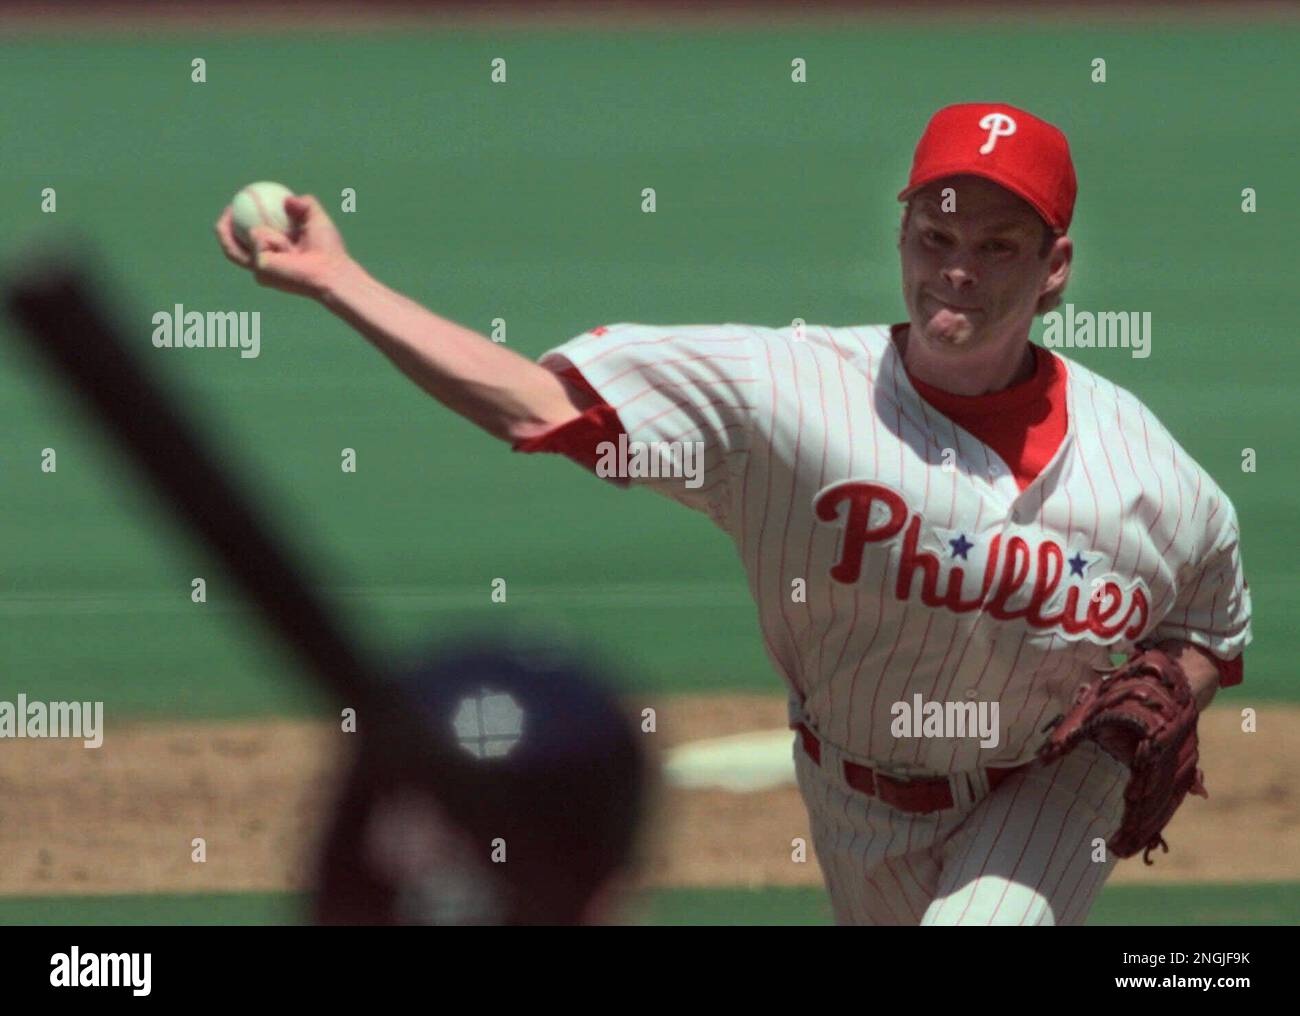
(522, 808)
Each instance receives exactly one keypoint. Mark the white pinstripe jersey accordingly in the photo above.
(891, 553)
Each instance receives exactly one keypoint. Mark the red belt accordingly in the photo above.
(905, 795)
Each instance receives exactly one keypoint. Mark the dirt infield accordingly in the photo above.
(122, 818)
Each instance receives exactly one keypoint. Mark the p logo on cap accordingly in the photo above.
(1009, 146)
(999, 125)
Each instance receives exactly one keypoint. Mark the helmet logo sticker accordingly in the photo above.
(489, 724)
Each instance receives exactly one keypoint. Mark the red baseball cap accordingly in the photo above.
(1015, 149)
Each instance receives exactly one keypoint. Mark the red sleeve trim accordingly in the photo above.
(579, 438)
(1231, 672)
(575, 378)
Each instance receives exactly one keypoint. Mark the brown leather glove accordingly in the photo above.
(1144, 714)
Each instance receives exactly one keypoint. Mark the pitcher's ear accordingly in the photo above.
(1060, 257)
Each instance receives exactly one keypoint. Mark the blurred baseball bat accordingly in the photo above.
(66, 325)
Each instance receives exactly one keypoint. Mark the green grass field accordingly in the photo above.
(521, 201)
(1265, 903)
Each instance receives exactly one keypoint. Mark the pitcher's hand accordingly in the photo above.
(305, 261)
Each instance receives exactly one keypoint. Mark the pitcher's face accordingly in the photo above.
(971, 276)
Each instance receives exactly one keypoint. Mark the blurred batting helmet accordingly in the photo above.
(519, 806)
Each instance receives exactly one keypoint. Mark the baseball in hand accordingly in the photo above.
(259, 204)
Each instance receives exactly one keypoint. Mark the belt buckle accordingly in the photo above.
(894, 792)
(890, 789)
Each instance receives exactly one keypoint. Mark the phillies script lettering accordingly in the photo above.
(1108, 612)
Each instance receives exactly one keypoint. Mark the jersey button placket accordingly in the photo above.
(1002, 485)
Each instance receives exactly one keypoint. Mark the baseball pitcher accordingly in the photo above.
(950, 533)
